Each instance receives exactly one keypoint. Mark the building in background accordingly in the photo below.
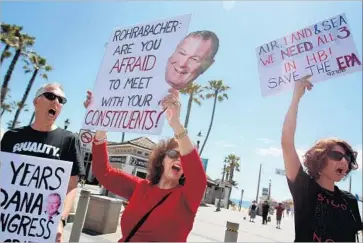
(132, 157)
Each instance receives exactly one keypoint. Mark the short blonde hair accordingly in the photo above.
(42, 88)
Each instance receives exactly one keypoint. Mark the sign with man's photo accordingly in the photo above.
(141, 63)
(131, 81)
(32, 193)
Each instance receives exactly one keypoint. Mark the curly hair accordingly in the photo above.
(315, 159)
(155, 163)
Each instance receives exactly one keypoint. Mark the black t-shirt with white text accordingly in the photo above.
(57, 144)
(322, 215)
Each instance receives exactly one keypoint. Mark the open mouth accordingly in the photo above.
(175, 169)
(339, 172)
(179, 71)
(51, 112)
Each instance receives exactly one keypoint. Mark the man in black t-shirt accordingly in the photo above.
(265, 210)
(44, 139)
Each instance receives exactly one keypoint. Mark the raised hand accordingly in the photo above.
(172, 105)
(301, 85)
(88, 99)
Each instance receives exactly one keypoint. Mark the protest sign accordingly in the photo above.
(86, 139)
(32, 193)
(131, 81)
(324, 50)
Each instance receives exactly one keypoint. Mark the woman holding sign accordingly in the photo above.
(163, 206)
(323, 212)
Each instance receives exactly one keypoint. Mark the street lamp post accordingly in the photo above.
(269, 190)
(66, 123)
(222, 181)
(198, 141)
(258, 183)
(240, 202)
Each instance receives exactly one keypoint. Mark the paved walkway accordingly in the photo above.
(209, 226)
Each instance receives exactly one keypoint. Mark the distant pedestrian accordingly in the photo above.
(265, 210)
(279, 211)
(253, 211)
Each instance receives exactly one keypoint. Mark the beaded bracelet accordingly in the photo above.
(182, 134)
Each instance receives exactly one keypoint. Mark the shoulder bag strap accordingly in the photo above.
(143, 219)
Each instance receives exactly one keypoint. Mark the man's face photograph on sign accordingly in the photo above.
(54, 201)
(191, 58)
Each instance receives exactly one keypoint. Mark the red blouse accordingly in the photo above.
(171, 221)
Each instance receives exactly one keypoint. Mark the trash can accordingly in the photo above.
(103, 214)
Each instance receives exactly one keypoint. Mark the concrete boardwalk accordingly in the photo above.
(209, 226)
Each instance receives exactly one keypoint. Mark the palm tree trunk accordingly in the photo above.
(4, 88)
(32, 118)
(211, 122)
(2, 112)
(189, 108)
(6, 48)
(232, 172)
(25, 96)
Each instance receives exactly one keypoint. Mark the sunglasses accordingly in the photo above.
(173, 154)
(336, 155)
(51, 96)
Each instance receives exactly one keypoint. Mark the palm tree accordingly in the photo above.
(195, 95)
(8, 39)
(227, 172)
(8, 106)
(22, 42)
(36, 65)
(233, 161)
(218, 93)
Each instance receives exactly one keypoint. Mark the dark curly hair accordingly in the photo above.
(315, 159)
(155, 163)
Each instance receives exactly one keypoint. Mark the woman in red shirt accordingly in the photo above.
(169, 162)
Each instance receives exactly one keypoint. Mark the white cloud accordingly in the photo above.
(228, 5)
(358, 148)
(271, 151)
(225, 144)
(276, 152)
(265, 140)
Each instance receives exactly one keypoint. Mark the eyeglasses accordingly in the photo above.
(336, 155)
(51, 96)
(173, 154)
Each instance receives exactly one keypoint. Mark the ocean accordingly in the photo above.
(245, 204)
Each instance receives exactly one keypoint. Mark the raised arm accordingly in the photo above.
(195, 177)
(291, 158)
(113, 179)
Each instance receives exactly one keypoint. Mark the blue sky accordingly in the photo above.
(72, 37)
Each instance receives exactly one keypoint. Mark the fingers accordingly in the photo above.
(175, 92)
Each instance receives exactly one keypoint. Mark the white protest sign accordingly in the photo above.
(131, 81)
(32, 193)
(86, 138)
(323, 50)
